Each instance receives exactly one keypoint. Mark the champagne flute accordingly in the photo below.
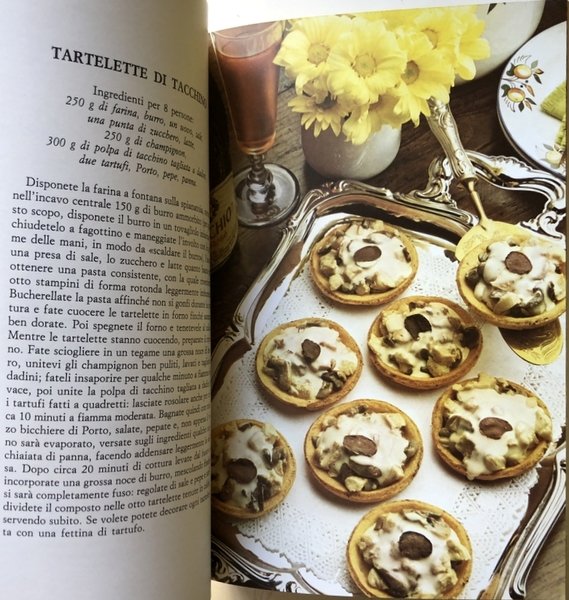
(266, 192)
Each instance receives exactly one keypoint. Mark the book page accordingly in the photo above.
(293, 534)
(104, 304)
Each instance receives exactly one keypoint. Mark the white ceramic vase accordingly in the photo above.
(508, 26)
(334, 157)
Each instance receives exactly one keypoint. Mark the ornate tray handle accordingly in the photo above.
(510, 173)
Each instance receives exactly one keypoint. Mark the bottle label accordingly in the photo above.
(223, 221)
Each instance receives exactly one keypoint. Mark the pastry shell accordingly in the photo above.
(424, 383)
(471, 261)
(352, 298)
(231, 509)
(336, 487)
(359, 569)
(280, 395)
(454, 461)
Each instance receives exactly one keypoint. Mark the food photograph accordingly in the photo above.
(388, 371)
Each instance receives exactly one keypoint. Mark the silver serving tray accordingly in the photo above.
(432, 214)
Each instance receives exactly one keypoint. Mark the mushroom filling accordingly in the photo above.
(489, 426)
(248, 466)
(423, 339)
(519, 280)
(363, 258)
(309, 362)
(364, 450)
(412, 554)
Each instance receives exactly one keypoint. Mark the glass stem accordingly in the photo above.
(260, 186)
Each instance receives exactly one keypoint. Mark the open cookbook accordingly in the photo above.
(284, 301)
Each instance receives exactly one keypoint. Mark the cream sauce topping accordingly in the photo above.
(483, 455)
(501, 289)
(441, 344)
(425, 577)
(249, 444)
(384, 266)
(385, 429)
(306, 376)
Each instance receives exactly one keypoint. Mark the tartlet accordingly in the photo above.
(364, 450)
(517, 283)
(424, 342)
(253, 468)
(309, 363)
(363, 261)
(409, 549)
(490, 428)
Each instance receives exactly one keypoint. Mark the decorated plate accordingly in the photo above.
(530, 75)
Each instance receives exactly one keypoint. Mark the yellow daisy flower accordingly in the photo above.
(370, 118)
(428, 74)
(472, 45)
(305, 49)
(382, 112)
(365, 62)
(440, 26)
(357, 73)
(320, 114)
(357, 127)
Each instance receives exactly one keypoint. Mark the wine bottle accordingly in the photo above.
(223, 209)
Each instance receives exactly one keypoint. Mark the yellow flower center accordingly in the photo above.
(411, 72)
(318, 53)
(364, 65)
